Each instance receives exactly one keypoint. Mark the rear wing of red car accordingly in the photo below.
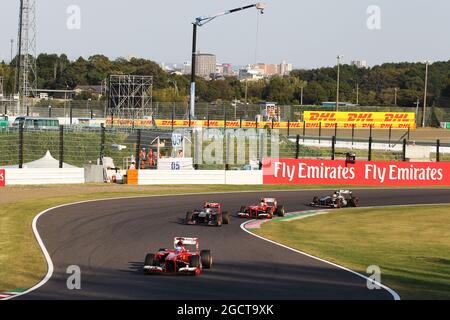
(212, 205)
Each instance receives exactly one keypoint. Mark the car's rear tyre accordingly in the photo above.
(150, 260)
(189, 216)
(280, 211)
(194, 261)
(206, 258)
(226, 218)
(316, 200)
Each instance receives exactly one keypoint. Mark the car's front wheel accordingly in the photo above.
(189, 216)
(206, 259)
(280, 211)
(149, 260)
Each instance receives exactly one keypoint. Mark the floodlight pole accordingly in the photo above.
(200, 21)
(427, 63)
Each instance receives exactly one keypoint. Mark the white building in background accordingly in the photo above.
(186, 69)
(361, 64)
(251, 74)
(285, 68)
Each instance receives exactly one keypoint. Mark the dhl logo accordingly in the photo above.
(322, 116)
(360, 117)
(232, 123)
(397, 117)
(166, 123)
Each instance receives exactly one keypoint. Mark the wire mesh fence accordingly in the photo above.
(242, 149)
(214, 111)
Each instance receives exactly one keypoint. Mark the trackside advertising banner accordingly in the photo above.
(2, 177)
(375, 120)
(362, 173)
(326, 120)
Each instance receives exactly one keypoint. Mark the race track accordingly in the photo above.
(109, 239)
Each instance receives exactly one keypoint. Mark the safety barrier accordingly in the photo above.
(43, 176)
(164, 177)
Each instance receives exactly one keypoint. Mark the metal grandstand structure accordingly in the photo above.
(130, 96)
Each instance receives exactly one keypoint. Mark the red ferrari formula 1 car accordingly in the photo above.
(180, 260)
(266, 209)
(210, 215)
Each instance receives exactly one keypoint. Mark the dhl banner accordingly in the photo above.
(357, 118)
(364, 121)
(361, 173)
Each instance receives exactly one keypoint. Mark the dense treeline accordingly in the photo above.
(377, 85)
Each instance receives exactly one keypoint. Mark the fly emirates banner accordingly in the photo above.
(361, 173)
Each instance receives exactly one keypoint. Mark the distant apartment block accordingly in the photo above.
(285, 68)
(361, 64)
(205, 64)
(263, 70)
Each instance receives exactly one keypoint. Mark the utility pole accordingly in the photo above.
(427, 63)
(201, 21)
(417, 103)
(12, 54)
(357, 93)
(246, 91)
(301, 96)
(339, 57)
(395, 96)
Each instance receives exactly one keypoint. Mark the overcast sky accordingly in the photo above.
(305, 33)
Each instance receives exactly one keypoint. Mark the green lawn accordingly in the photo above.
(411, 245)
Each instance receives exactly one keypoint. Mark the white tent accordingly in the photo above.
(47, 162)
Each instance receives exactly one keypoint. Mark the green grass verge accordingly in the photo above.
(411, 245)
(21, 261)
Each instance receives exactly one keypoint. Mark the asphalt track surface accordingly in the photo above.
(109, 239)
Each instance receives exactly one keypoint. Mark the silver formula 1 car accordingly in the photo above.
(339, 199)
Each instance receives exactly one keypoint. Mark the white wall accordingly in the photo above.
(146, 177)
(44, 176)
(159, 177)
(254, 177)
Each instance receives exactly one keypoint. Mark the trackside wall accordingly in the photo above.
(44, 176)
(162, 177)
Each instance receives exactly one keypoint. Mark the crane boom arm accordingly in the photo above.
(200, 21)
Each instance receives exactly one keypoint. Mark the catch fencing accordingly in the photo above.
(121, 148)
(213, 111)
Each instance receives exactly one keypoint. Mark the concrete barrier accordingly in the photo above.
(44, 176)
(143, 177)
(254, 177)
(164, 177)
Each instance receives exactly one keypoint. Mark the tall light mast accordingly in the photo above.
(201, 21)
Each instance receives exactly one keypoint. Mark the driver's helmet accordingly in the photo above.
(179, 246)
(208, 210)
